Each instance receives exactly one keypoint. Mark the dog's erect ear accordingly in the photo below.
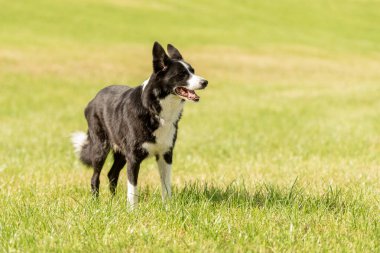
(174, 53)
(160, 59)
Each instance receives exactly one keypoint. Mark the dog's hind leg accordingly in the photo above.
(164, 163)
(113, 174)
(95, 182)
(99, 152)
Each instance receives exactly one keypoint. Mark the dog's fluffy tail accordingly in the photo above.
(81, 147)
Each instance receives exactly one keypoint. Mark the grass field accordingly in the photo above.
(282, 154)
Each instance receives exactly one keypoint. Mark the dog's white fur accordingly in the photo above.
(133, 195)
(172, 107)
(79, 139)
(165, 171)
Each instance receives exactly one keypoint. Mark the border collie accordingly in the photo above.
(139, 122)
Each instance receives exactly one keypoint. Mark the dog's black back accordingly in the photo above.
(117, 119)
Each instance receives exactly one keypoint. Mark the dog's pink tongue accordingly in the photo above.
(192, 95)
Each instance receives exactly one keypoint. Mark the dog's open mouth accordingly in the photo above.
(187, 94)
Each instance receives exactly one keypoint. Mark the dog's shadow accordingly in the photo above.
(265, 196)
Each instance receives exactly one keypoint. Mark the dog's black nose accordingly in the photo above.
(204, 83)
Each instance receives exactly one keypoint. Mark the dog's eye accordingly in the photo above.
(182, 73)
(180, 76)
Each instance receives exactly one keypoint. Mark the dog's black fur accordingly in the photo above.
(122, 119)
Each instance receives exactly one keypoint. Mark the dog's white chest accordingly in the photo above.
(171, 108)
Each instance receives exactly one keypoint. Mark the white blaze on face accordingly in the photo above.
(194, 82)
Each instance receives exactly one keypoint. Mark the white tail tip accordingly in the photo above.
(79, 139)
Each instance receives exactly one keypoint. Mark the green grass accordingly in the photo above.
(281, 154)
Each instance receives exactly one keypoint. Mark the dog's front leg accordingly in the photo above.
(133, 173)
(165, 170)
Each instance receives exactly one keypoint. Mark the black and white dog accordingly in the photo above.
(139, 122)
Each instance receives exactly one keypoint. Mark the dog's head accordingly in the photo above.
(174, 75)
